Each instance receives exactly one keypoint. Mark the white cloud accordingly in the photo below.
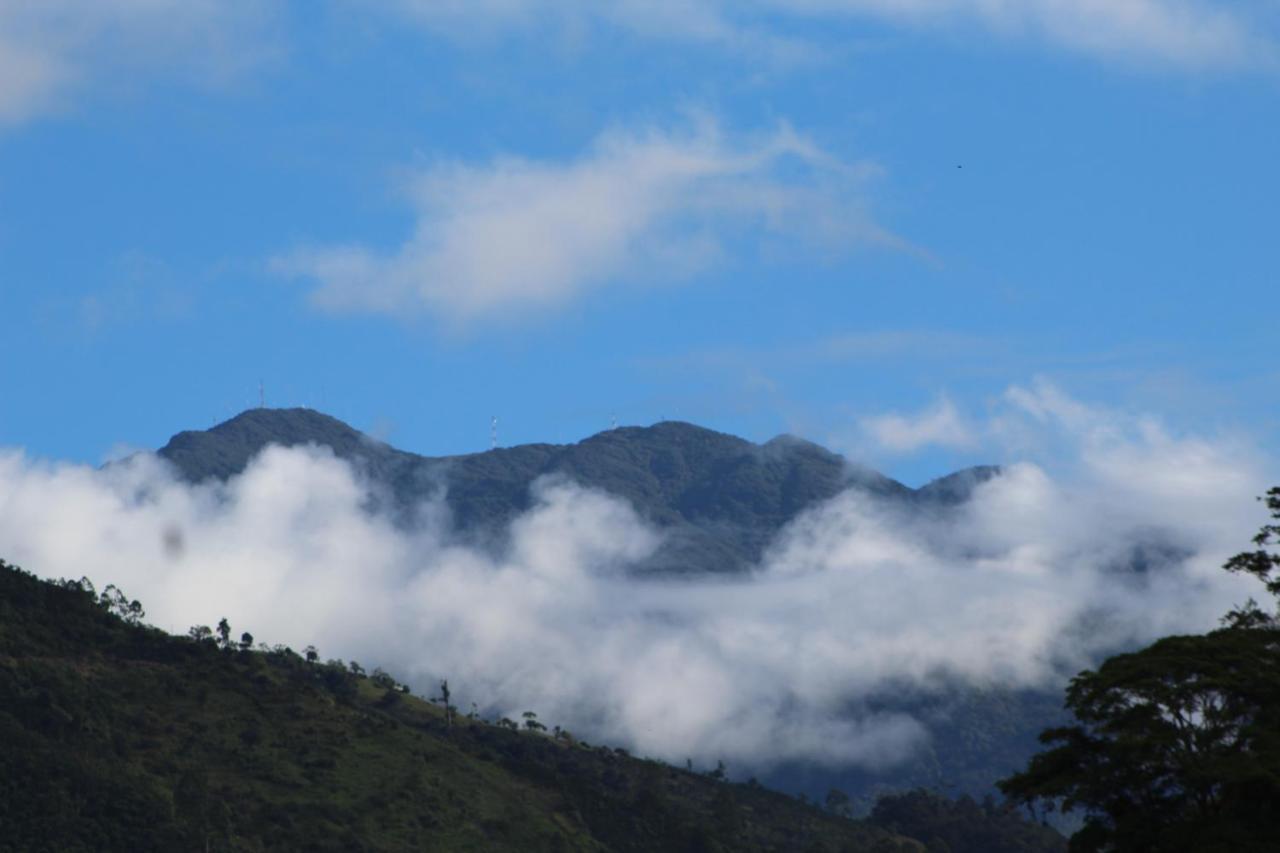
(940, 425)
(1041, 420)
(1185, 33)
(1192, 34)
(517, 235)
(50, 49)
(697, 21)
(771, 666)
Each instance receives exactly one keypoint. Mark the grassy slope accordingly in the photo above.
(117, 737)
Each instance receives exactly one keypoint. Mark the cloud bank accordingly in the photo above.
(772, 666)
(514, 235)
(1184, 34)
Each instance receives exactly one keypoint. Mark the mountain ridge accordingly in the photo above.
(718, 499)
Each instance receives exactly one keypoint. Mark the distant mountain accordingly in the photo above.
(719, 499)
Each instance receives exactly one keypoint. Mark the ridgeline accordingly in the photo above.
(718, 499)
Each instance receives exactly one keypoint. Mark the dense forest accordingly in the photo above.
(118, 736)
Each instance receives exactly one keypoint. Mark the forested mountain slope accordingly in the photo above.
(117, 736)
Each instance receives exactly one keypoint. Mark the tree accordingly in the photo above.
(114, 601)
(838, 803)
(1176, 746)
(246, 641)
(961, 824)
(337, 679)
(1260, 563)
(224, 634)
(444, 700)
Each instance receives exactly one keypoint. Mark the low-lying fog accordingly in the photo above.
(1020, 587)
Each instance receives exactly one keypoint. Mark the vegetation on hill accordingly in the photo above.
(118, 736)
(1176, 747)
(977, 735)
(950, 826)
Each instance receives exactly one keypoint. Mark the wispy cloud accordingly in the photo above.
(1180, 33)
(52, 49)
(1188, 34)
(941, 425)
(516, 235)
(1041, 420)
(708, 22)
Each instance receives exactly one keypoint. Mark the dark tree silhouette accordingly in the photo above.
(444, 700)
(1176, 746)
(114, 601)
(224, 634)
(838, 802)
(1262, 564)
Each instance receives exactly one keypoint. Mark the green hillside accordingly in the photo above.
(117, 736)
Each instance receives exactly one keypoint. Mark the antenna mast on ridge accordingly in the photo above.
(262, 395)
(493, 433)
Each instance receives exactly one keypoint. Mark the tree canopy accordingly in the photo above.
(1177, 746)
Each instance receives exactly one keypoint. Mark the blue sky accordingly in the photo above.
(860, 221)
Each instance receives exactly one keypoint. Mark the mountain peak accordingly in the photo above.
(226, 449)
(720, 498)
(674, 432)
(287, 426)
